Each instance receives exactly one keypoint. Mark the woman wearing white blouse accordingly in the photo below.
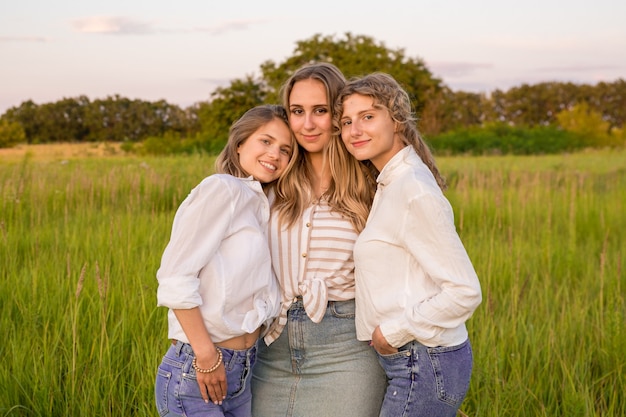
(216, 277)
(415, 284)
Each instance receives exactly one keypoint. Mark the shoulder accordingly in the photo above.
(224, 179)
(415, 190)
(216, 187)
(223, 182)
(416, 181)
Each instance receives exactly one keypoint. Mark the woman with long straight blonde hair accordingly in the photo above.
(310, 363)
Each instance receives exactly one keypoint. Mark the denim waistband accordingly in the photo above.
(240, 355)
(299, 304)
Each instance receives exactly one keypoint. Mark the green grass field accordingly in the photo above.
(81, 239)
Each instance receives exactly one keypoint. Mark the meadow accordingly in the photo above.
(81, 237)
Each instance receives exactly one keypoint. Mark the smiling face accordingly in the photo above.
(309, 115)
(368, 131)
(266, 152)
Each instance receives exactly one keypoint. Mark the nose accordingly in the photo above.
(308, 122)
(354, 129)
(273, 152)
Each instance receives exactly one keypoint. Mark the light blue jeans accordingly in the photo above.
(177, 392)
(317, 370)
(426, 381)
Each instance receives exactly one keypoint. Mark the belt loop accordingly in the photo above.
(179, 346)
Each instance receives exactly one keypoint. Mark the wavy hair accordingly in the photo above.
(352, 186)
(387, 93)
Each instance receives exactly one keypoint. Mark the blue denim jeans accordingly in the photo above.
(318, 369)
(426, 381)
(177, 392)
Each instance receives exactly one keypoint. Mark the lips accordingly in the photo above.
(310, 138)
(359, 143)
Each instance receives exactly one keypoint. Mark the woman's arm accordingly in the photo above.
(212, 385)
(432, 240)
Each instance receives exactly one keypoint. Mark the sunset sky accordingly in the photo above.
(181, 51)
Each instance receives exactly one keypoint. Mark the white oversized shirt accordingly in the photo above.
(218, 259)
(413, 275)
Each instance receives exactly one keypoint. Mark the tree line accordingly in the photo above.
(160, 127)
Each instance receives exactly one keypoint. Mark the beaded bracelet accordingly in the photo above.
(211, 369)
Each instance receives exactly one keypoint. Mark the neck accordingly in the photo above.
(319, 171)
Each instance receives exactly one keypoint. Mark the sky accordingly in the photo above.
(180, 51)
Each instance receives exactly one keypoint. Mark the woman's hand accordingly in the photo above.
(380, 343)
(212, 385)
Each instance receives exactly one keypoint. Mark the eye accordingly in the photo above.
(346, 122)
(368, 116)
(321, 110)
(296, 111)
(265, 141)
(285, 151)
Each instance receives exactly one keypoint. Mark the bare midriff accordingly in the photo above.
(243, 342)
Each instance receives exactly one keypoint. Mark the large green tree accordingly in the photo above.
(532, 105)
(448, 110)
(354, 55)
(610, 100)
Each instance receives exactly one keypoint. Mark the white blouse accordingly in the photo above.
(413, 275)
(218, 259)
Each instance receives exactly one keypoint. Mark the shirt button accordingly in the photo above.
(308, 225)
(304, 255)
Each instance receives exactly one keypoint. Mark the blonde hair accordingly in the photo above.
(227, 161)
(352, 186)
(388, 93)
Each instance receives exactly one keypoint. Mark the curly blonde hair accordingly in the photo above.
(388, 94)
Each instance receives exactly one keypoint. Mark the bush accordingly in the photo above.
(582, 120)
(168, 144)
(172, 143)
(11, 133)
(500, 138)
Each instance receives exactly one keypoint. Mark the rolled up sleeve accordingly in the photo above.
(200, 224)
(432, 240)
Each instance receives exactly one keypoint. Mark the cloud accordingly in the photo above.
(457, 69)
(578, 68)
(112, 25)
(23, 39)
(535, 43)
(120, 25)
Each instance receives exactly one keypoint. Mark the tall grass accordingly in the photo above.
(81, 239)
(546, 235)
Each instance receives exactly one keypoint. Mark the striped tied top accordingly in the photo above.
(312, 259)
